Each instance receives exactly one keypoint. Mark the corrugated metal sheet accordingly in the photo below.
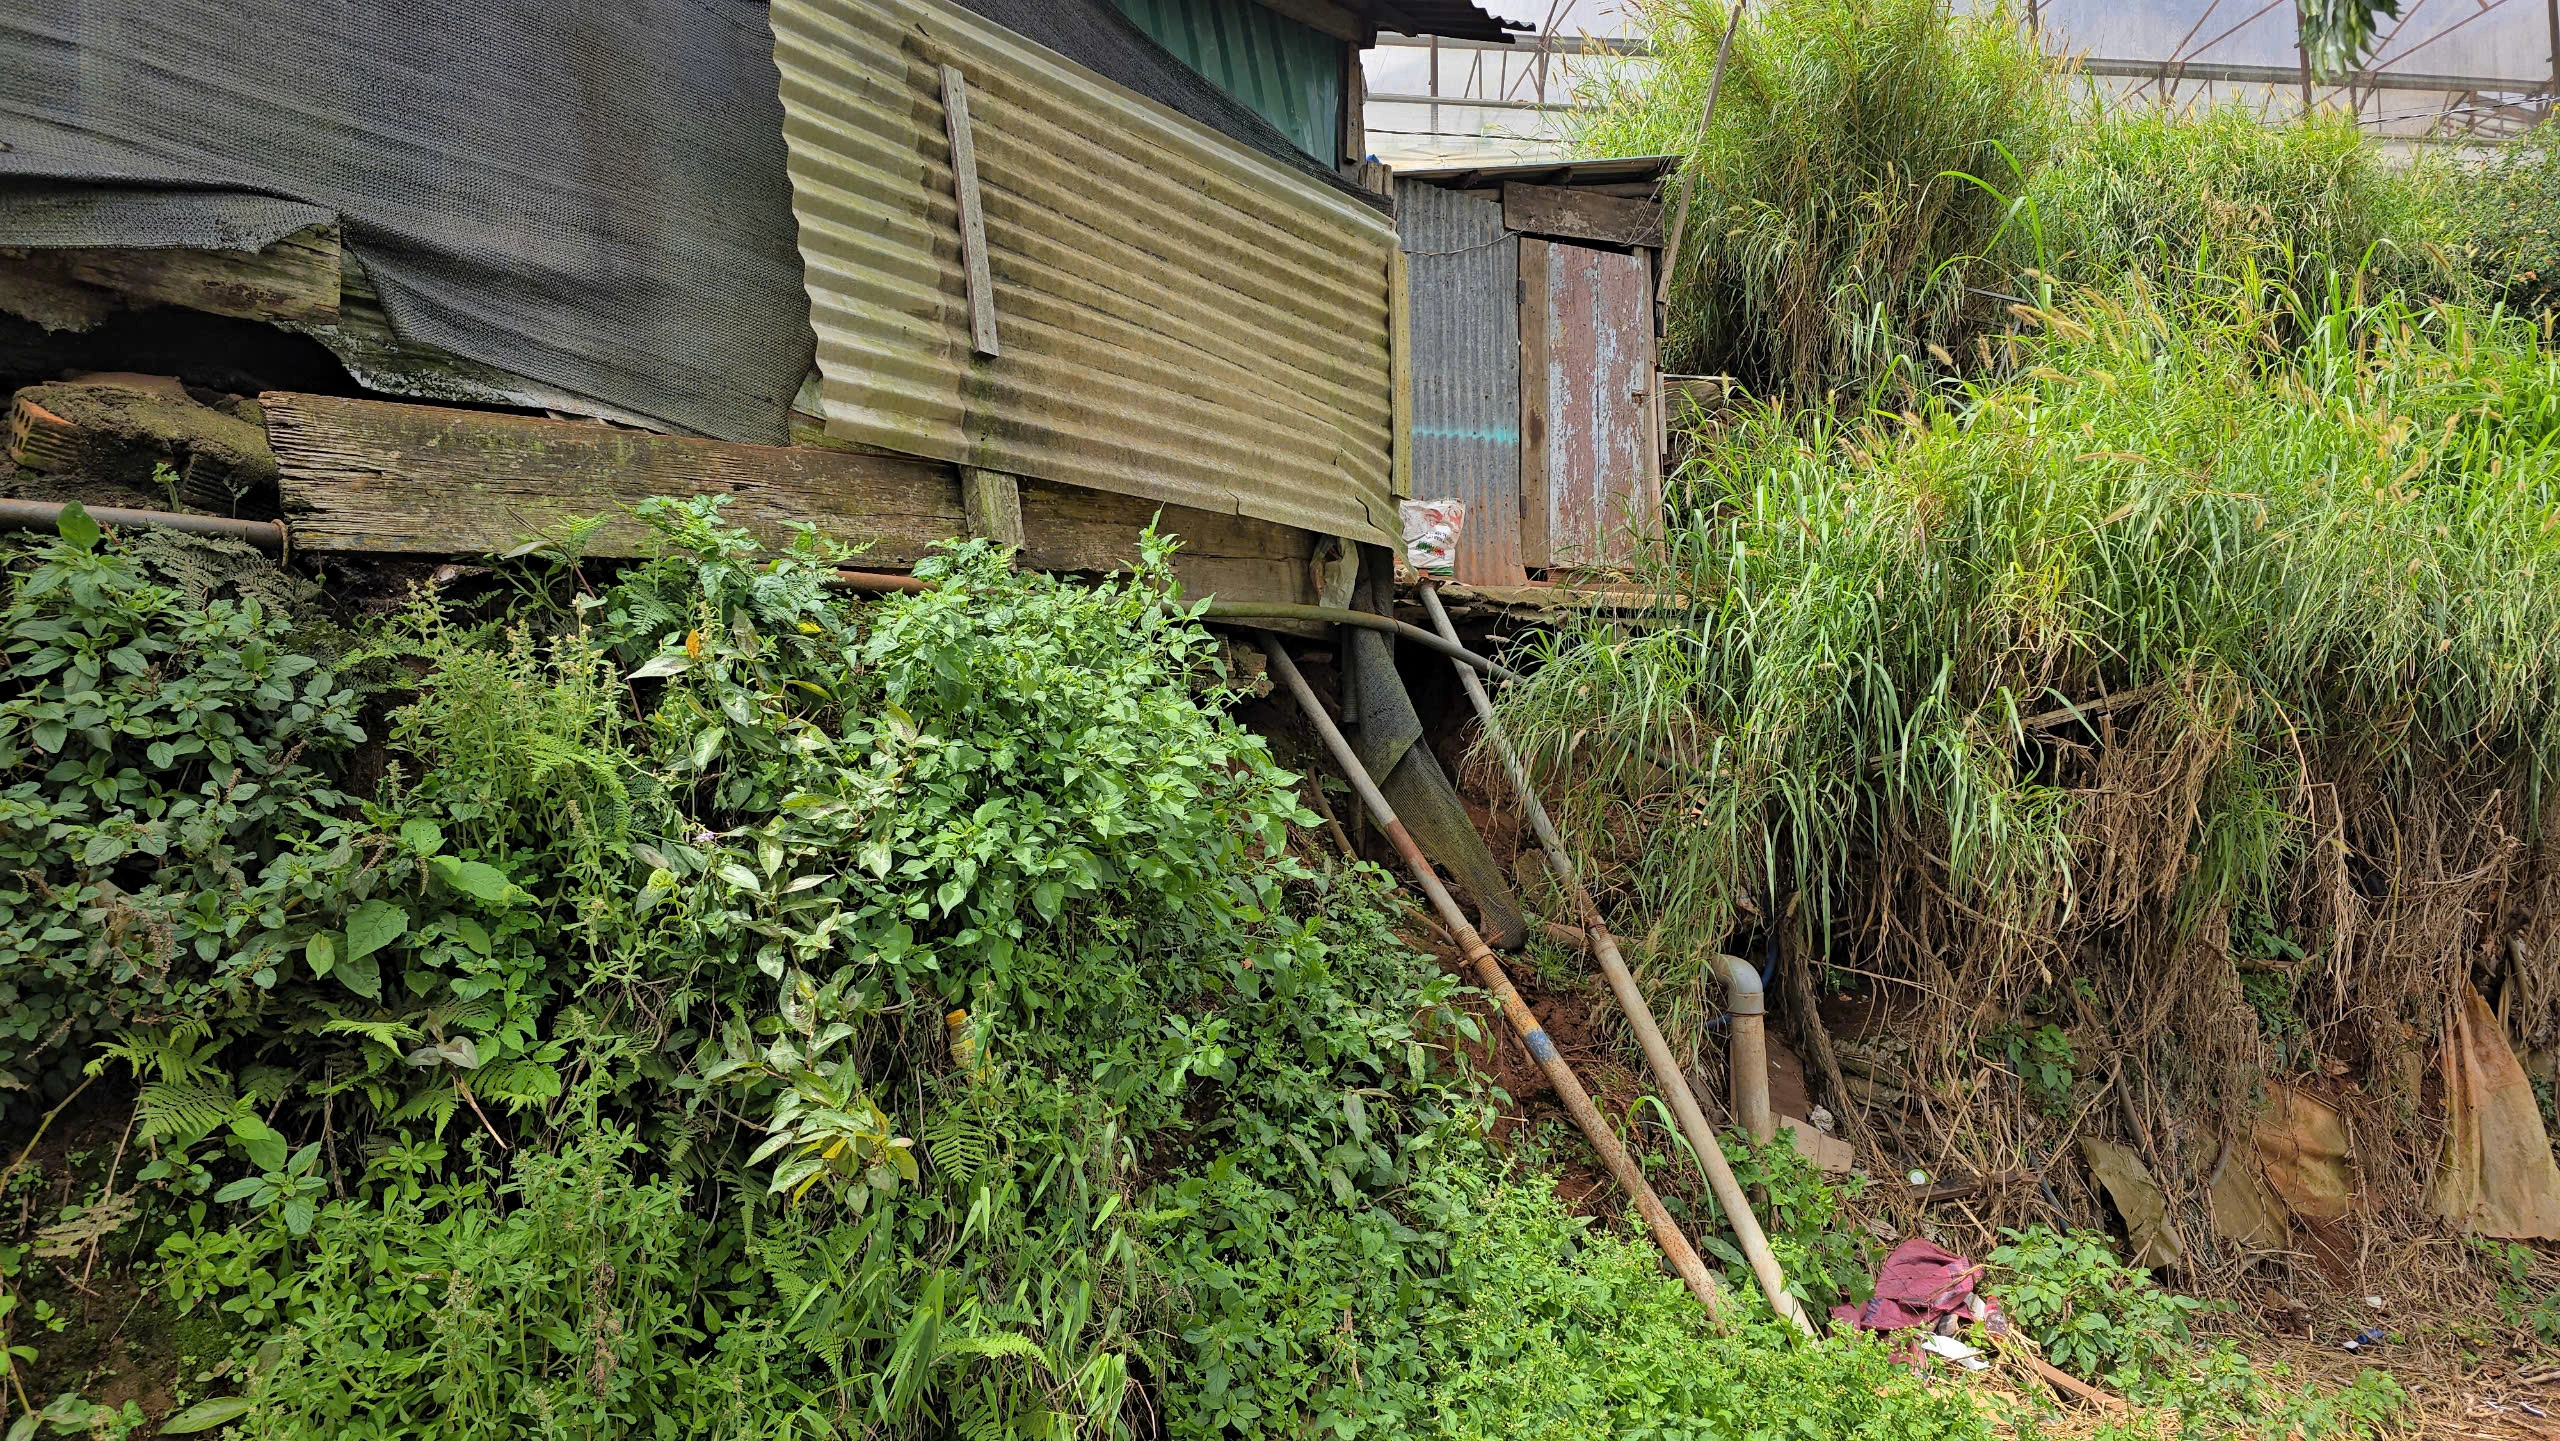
(1288, 73)
(1464, 273)
(1180, 319)
(1601, 490)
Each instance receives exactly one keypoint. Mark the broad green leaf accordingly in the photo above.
(362, 975)
(322, 952)
(266, 1149)
(480, 881)
(77, 525)
(659, 667)
(375, 924)
(423, 838)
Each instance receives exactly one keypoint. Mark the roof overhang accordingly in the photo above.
(1630, 175)
(1360, 21)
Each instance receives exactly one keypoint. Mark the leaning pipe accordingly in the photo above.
(45, 515)
(1217, 609)
(1667, 1075)
(1577, 1102)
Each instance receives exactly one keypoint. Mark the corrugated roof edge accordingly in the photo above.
(1455, 19)
(1626, 170)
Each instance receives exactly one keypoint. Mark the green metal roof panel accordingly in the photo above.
(1287, 73)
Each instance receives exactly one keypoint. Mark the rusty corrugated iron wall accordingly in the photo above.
(1464, 270)
(1180, 318)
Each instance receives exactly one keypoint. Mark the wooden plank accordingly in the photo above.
(973, 219)
(293, 280)
(1569, 214)
(369, 475)
(1399, 377)
(1067, 527)
(992, 502)
(1535, 544)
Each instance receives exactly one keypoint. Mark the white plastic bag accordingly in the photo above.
(1431, 534)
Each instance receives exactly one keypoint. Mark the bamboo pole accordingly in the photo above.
(1577, 1101)
(1667, 1075)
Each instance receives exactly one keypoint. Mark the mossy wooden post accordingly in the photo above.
(992, 502)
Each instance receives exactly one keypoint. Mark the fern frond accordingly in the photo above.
(183, 1111)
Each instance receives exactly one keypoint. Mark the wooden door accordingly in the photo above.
(1589, 474)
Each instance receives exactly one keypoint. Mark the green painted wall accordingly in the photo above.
(1287, 73)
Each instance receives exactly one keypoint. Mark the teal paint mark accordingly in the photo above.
(1495, 435)
(1540, 1047)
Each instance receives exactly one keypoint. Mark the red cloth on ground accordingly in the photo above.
(1920, 1282)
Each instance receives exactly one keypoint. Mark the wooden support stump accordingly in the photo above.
(992, 500)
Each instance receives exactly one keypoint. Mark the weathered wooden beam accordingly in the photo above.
(80, 439)
(293, 280)
(370, 475)
(1569, 214)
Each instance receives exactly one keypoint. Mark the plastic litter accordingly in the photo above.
(1431, 534)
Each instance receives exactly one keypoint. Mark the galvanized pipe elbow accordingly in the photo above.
(1743, 993)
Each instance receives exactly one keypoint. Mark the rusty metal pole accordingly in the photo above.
(1667, 1075)
(44, 515)
(1577, 1101)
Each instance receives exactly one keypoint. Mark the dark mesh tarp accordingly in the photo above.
(588, 194)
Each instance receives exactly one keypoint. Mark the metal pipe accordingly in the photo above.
(1667, 1075)
(1577, 1101)
(1332, 615)
(1747, 1048)
(878, 580)
(45, 515)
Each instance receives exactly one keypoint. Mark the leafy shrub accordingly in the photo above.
(2185, 198)
(168, 817)
(1558, 1328)
(2096, 1316)
(2092, 1314)
(1848, 188)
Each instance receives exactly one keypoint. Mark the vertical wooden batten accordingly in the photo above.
(973, 220)
(1400, 376)
(1535, 545)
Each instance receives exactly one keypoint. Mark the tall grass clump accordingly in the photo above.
(2185, 197)
(2509, 211)
(2178, 640)
(1838, 221)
